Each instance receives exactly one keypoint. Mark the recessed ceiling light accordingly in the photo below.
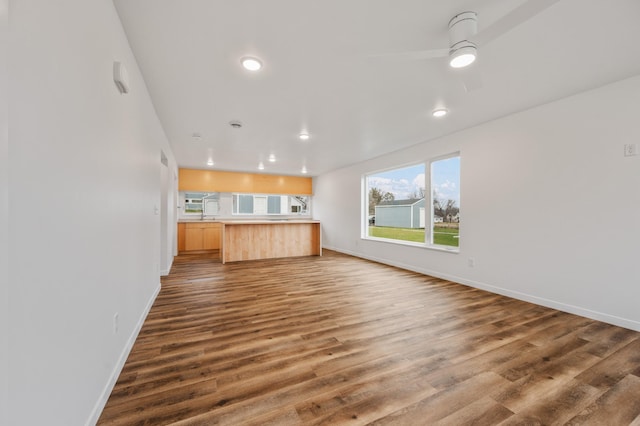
(197, 137)
(251, 64)
(304, 170)
(210, 162)
(272, 158)
(440, 112)
(261, 166)
(304, 136)
(236, 124)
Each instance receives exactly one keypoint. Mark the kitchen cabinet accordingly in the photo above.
(198, 236)
(249, 240)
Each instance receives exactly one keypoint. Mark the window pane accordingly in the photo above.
(396, 204)
(445, 189)
(245, 204)
(274, 204)
(299, 204)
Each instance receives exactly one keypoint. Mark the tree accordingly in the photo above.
(449, 207)
(445, 209)
(377, 196)
(418, 194)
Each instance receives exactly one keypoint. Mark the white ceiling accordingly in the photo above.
(331, 68)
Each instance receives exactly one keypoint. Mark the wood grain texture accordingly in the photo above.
(338, 340)
(252, 241)
(222, 181)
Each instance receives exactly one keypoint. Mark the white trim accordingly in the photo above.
(572, 309)
(165, 272)
(437, 247)
(104, 397)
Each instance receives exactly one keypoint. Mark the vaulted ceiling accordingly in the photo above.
(344, 72)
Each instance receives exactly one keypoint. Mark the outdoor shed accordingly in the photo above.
(401, 213)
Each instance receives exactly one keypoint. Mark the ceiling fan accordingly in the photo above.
(465, 40)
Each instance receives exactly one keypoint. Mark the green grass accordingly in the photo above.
(441, 236)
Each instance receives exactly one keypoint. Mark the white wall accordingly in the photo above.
(4, 219)
(549, 206)
(84, 173)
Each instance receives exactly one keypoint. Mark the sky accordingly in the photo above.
(402, 183)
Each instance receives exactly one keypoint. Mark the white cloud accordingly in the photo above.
(400, 188)
(418, 182)
(447, 191)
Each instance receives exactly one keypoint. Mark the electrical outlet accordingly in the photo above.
(116, 324)
(630, 149)
(471, 262)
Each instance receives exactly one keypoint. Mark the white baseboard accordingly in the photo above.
(165, 272)
(576, 310)
(104, 397)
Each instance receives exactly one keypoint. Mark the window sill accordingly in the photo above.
(447, 249)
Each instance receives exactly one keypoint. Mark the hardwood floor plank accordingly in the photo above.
(445, 402)
(605, 339)
(556, 407)
(483, 411)
(340, 340)
(549, 378)
(615, 367)
(620, 405)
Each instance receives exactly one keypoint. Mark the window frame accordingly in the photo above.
(429, 202)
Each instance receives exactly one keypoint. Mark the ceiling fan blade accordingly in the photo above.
(472, 80)
(416, 55)
(512, 19)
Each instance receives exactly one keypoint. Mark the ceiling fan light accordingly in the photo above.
(463, 56)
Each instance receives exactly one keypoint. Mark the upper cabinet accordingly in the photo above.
(219, 181)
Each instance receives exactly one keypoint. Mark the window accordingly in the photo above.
(242, 204)
(396, 204)
(274, 204)
(445, 202)
(400, 209)
(201, 203)
(261, 204)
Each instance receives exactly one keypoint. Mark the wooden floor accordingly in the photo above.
(339, 340)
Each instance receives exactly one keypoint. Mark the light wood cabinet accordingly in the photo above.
(199, 236)
(211, 237)
(264, 240)
(220, 181)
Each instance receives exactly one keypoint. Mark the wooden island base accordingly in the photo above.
(251, 240)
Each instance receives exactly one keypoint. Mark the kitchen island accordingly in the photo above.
(265, 239)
